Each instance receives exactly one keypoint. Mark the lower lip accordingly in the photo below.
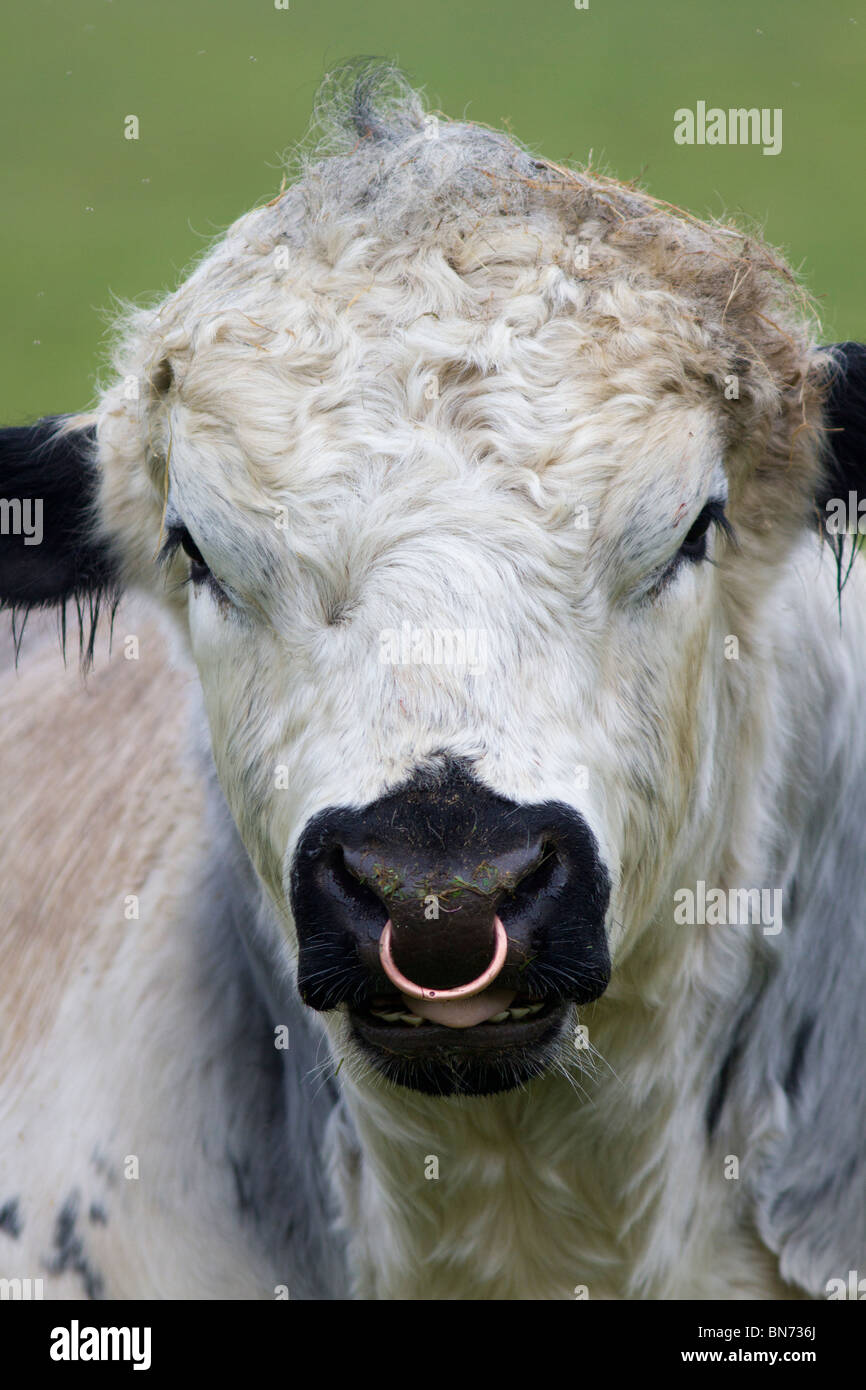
(408, 1041)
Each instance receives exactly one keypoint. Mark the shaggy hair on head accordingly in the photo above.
(444, 217)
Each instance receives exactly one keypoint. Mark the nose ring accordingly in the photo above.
(407, 986)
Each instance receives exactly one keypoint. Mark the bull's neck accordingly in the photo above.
(536, 1193)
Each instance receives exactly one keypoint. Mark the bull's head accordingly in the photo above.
(458, 472)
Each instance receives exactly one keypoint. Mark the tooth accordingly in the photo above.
(534, 1008)
(500, 1018)
(520, 1013)
(412, 1019)
(389, 1018)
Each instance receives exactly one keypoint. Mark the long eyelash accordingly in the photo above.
(719, 518)
(715, 510)
(171, 544)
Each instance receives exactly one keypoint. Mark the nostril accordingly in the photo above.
(338, 878)
(541, 879)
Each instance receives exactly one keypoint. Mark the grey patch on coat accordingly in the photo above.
(270, 1134)
(800, 1089)
(69, 1252)
(10, 1218)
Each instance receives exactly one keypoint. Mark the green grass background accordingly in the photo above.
(223, 88)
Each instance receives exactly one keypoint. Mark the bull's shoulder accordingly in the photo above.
(102, 836)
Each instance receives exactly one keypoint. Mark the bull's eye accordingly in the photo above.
(198, 568)
(694, 547)
(178, 538)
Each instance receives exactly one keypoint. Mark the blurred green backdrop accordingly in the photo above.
(223, 87)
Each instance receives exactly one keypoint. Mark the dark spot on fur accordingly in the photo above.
(10, 1218)
(338, 609)
(361, 94)
(69, 1247)
(790, 909)
(725, 1073)
(720, 1088)
(733, 1055)
(162, 377)
(98, 1214)
(798, 1052)
(105, 1167)
(244, 1189)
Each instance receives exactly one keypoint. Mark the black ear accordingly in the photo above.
(48, 549)
(845, 421)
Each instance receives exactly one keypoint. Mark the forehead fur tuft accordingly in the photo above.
(379, 170)
(378, 152)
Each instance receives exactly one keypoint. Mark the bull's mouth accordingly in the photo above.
(502, 1051)
(393, 1012)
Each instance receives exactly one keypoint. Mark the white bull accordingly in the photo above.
(439, 386)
